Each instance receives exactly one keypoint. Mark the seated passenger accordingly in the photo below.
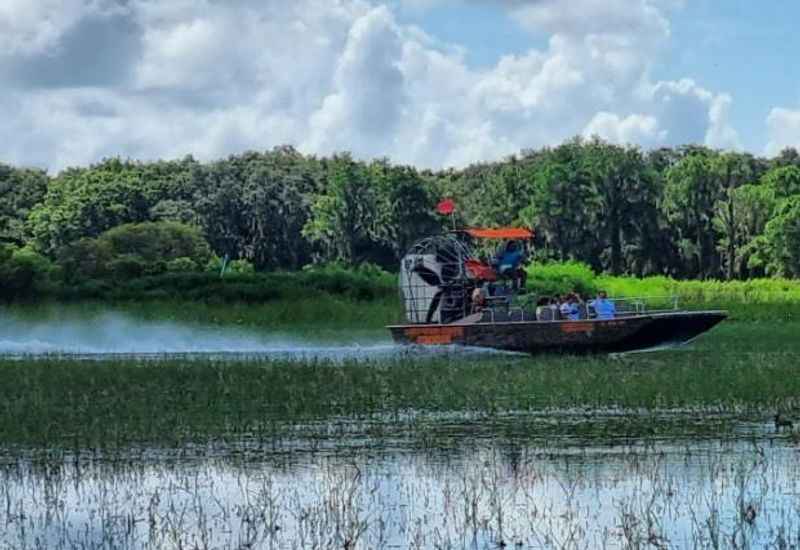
(603, 307)
(544, 311)
(479, 298)
(571, 308)
(555, 306)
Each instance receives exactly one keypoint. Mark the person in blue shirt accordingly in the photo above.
(509, 264)
(603, 307)
(571, 307)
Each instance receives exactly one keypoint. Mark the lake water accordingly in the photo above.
(115, 335)
(417, 480)
(462, 488)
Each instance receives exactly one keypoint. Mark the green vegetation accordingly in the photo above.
(367, 297)
(129, 251)
(688, 213)
(755, 299)
(304, 243)
(744, 369)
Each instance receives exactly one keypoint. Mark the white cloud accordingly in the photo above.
(721, 133)
(783, 127)
(633, 129)
(369, 92)
(29, 27)
(212, 78)
(639, 18)
(33, 27)
(695, 114)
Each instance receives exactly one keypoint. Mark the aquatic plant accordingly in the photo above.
(742, 369)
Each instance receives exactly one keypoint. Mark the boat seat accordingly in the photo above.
(518, 315)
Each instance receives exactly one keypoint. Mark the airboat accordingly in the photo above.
(438, 280)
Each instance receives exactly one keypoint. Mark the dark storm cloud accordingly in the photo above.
(100, 50)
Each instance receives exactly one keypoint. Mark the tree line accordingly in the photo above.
(687, 212)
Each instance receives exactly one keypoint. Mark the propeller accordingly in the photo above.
(433, 279)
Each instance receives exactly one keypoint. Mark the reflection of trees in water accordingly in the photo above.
(520, 495)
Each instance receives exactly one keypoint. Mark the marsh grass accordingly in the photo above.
(749, 370)
(755, 299)
(368, 296)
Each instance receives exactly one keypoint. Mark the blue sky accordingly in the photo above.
(749, 49)
(746, 48)
(432, 83)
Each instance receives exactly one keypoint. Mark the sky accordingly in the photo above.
(433, 83)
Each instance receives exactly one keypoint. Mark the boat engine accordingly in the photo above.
(434, 285)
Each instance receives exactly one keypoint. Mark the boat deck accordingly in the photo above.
(625, 332)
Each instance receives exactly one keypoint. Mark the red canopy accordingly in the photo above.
(501, 233)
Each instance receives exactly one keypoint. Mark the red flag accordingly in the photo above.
(445, 207)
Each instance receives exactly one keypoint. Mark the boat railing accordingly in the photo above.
(505, 308)
(501, 309)
(640, 305)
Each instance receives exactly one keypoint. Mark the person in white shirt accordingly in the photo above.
(603, 307)
(480, 297)
(570, 308)
(544, 309)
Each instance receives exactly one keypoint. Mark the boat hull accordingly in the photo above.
(628, 333)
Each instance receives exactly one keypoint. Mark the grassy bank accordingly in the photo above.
(748, 369)
(369, 296)
(755, 299)
(367, 283)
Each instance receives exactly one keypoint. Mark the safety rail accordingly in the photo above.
(455, 305)
(500, 309)
(439, 284)
(640, 305)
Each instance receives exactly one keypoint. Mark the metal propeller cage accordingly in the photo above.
(434, 284)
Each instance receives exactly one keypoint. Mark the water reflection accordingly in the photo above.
(483, 493)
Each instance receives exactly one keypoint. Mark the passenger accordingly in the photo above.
(583, 300)
(603, 307)
(509, 264)
(544, 311)
(552, 308)
(555, 306)
(479, 297)
(571, 308)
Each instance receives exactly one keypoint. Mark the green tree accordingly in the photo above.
(405, 207)
(23, 272)
(626, 191)
(343, 219)
(787, 157)
(20, 191)
(754, 206)
(782, 237)
(691, 192)
(85, 202)
(131, 250)
(563, 205)
(255, 206)
(732, 170)
(784, 180)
